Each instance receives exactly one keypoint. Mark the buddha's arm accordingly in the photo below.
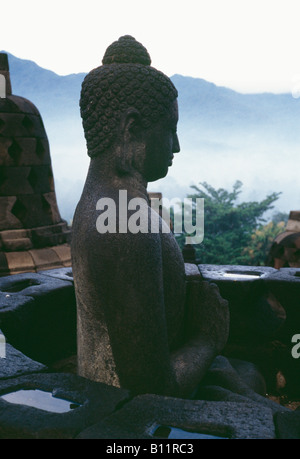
(206, 332)
(190, 364)
(135, 312)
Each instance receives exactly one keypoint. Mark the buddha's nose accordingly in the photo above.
(176, 146)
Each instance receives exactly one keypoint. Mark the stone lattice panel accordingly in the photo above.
(14, 181)
(24, 151)
(21, 125)
(7, 218)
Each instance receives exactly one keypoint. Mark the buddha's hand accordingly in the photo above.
(209, 315)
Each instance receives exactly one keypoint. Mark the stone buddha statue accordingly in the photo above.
(139, 326)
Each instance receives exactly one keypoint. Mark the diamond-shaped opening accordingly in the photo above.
(2, 123)
(32, 178)
(41, 123)
(19, 210)
(28, 124)
(40, 149)
(46, 207)
(15, 151)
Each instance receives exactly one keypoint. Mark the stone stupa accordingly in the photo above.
(33, 236)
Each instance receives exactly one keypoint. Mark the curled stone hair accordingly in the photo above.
(125, 80)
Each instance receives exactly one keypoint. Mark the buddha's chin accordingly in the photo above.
(154, 177)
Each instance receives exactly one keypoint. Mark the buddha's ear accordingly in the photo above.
(129, 128)
(131, 123)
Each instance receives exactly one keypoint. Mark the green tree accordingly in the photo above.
(280, 217)
(261, 240)
(228, 225)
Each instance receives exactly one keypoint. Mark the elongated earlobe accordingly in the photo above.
(129, 127)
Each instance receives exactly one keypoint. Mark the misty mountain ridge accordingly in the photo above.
(224, 136)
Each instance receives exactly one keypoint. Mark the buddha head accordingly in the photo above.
(126, 102)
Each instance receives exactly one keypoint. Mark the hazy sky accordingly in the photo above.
(250, 46)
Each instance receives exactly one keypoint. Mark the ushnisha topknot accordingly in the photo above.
(125, 80)
(126, 51)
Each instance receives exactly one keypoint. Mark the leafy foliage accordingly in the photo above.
(261, 241)
(229, 226)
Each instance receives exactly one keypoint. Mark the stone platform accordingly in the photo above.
(42, 397)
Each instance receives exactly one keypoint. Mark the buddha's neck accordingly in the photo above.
(104, 174)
